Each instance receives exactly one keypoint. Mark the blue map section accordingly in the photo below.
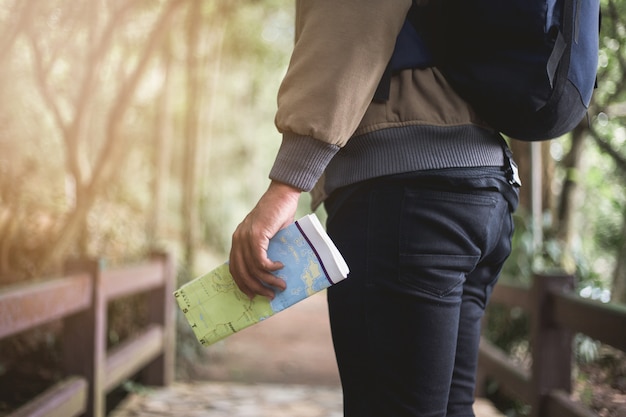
(302, 270)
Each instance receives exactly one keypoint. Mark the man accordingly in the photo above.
(419, 195)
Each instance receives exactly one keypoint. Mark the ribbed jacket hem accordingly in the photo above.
(413, 148)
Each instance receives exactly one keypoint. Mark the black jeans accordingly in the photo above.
(424, 251)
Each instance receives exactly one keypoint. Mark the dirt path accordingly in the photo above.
(292, 347)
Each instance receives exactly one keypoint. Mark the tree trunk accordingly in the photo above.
(547, 174)
(190, 157)
(522, 155)
(618, 290)
(208, 170)
(568, 199)
(160, 152)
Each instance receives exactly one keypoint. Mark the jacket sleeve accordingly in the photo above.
(341, 51)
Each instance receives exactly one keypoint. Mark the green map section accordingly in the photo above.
(215, 308)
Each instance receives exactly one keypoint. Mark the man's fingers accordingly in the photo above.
(264, 269)
(255, 287)
(273, 281)
(256, 280)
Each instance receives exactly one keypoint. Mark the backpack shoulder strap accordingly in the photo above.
(411, 50)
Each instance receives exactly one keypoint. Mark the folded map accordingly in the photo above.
(215, 307)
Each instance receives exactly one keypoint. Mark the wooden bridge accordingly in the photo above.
(81, 299)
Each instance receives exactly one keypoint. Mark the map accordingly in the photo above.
(302, 271)
(215, 307)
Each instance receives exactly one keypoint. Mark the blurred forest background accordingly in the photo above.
(129, 125)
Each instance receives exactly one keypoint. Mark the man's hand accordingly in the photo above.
(249, 264)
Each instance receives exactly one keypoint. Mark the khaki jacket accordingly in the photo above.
(341, 50)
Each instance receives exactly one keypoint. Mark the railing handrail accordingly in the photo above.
(605, 322)
(31, 304)
(556, 313)
(81, 300)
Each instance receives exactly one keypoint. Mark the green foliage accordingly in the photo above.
(45, 83)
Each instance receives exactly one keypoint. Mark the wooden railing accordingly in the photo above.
(81, 300)
(556, 313)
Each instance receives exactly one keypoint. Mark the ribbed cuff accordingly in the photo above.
(301, 160)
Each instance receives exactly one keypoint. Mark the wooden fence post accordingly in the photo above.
(84, 341)
(551, 345)
(160, 372)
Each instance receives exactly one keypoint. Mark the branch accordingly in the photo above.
(106, 159)
(620, 161)
(41, 76)
(11, 33)
(87, 85)
(614, 15)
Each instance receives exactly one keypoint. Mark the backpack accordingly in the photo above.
(528, 67)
